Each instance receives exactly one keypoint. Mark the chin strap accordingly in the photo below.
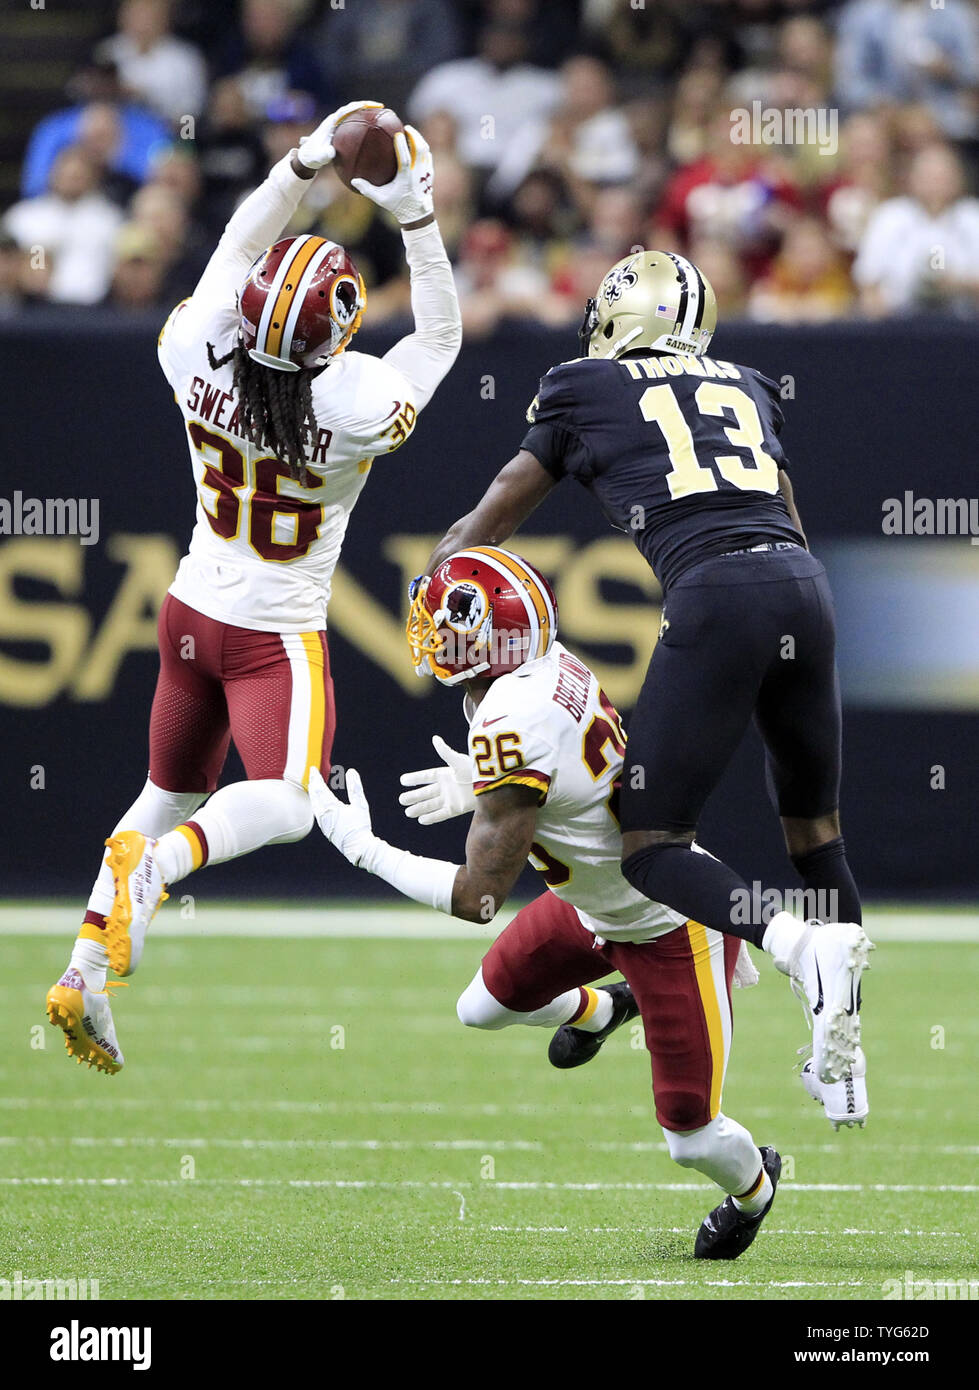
(588, 325)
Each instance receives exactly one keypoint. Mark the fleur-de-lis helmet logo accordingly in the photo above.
(619, 279)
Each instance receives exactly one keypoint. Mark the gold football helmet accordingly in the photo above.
(650, 299)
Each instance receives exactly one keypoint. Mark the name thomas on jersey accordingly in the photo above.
(681, 452)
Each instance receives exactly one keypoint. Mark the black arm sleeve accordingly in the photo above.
(552, 438)
(773, 418)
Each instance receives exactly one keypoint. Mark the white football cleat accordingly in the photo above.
(825, 968)
(86, 1019)
(845, 1102)
(139, 892)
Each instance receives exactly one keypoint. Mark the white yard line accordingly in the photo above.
(301, 1282)
(342, 1183)
(150, 1141)
(640, 1283)
(529, 1145)
(685, 1230)
(322, 1107)
(392, 920)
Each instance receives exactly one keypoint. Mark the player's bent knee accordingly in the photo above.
(688, 1139)
(640, 853)
(181, 803)
(477, 1008)
(303, 826)
(635, 840)
(294, 813)
(689, 1154)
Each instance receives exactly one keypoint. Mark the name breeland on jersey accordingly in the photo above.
(573, 684)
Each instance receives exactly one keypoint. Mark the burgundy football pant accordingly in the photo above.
(271, 692)
(681, 982)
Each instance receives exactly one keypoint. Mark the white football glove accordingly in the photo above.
(409, 194)
(440, 792)
(316, 150)
(345, 825)
(745, 974)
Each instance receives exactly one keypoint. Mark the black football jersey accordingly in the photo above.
(681, 452)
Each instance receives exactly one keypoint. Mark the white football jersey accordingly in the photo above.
(264, 546)
(549, 726)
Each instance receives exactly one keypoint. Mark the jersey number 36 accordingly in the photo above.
(268, 514)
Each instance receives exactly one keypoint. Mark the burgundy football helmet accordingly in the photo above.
(484, 612)
(301, 304)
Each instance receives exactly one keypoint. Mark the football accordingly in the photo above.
(364, 142)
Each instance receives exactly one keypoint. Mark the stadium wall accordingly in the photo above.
(881, 424)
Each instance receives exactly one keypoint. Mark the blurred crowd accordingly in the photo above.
(565, 133)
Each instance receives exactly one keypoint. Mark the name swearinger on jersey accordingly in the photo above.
(211, 402)
(50, 516)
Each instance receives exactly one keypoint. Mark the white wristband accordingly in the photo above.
(427, 881)
(409, 235)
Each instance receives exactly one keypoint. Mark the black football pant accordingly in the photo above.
(744, 636)
(748, 635)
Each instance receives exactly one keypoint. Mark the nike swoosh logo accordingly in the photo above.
(817, 1008)
(488, 722)
(853, 1002)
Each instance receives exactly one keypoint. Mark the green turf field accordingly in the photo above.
(306, 1118)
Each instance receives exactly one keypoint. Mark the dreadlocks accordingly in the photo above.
(275, 406)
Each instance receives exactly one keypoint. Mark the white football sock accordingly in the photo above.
(757, 1198)
(477, 1008)
(598, 1014)
(91, 960)
(561, 1009)
(153, 813)
(238, 820)
(780, 937)
(723, 1151)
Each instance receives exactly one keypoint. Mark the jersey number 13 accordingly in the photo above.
(659, 406)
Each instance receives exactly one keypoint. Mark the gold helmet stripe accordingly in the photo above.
(278, 280)
(528, 586)
(282, 299)
(324, 250)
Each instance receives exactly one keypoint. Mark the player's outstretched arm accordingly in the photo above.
(439, 793)
(259, 221)
(518, 488)
(424, 356)
(500, 838)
